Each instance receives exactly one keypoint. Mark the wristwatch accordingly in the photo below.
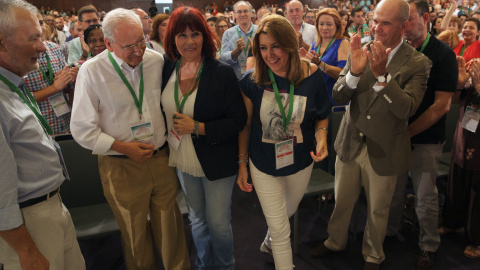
(384, 78)
(322, 66)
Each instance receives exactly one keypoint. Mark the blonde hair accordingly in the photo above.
(450, 37)
(336, 19)
(280, 29)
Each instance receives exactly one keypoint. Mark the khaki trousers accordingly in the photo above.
(135, 190)
(51, 227)
(349, 178)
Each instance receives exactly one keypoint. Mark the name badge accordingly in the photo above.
(59, 104)
(284, 153)
(365, 39)
(470, 119)
(143, 132)
(243, 65)
(174, 139)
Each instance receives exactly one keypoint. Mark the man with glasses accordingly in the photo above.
(78, 49)
(146, 25)
(117, 115)
(310, 17)
(307, 33)
(57, 36)
(238, 39)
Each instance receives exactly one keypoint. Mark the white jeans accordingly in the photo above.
(279, 197)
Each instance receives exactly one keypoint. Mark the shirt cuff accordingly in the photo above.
(10, 217)
(351, 80)
(378, 88)
(103, 145)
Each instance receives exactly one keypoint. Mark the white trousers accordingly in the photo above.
(279, 197)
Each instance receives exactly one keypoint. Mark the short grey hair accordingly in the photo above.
(8, 22)
(116, 17)
(242, 2)
(72, 24)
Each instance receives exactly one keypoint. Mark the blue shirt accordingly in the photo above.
(311, 99)
(29, 164)
(229, 43)
(74, 51)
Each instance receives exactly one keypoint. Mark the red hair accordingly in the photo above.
(192, 18)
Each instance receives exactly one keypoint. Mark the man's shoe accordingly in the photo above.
(320, 251)
(371, 266)
(425, 260)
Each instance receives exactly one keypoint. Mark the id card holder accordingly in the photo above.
(243, 66)
(59, 104)
(60, 156)
(174, 139)
(470, 119)
(142, 132)
(284, 154)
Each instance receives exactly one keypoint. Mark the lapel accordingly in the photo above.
(202, 91)
(398, 61)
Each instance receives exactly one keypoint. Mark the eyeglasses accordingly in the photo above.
(146, 18)
(131, 48)
(242, 11)
(222, 26)
(310, 17)
(94, 21)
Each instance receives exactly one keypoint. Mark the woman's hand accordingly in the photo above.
(475, 73)
(242, 179)
(322, 151)
(463, 76)
(183, 124)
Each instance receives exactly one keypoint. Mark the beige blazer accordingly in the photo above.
(382, 117)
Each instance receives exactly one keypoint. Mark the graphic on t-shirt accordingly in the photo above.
(271, 118)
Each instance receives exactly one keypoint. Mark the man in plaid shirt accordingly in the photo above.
(45, 90)
(359, 25)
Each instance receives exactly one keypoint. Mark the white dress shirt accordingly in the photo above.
(309, 33)
(103, 108)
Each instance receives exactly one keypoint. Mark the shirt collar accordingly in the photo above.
(12, 77)
(394, 51)
(249, 30)
(122, 64)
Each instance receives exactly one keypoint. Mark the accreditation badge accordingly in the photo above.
(243, 66)
(59, 104)
(470, 119)
(143, 133)
(174, 139)
(284, 153)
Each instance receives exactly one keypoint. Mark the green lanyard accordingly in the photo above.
(90, 55)
(286, 119)
(177, 103)
(462, 50)
(303, 28)
(148, 45)
(240, 36)
(328, 46)
(30, 101)
(425, 43)
(49, 78)
(138, 101)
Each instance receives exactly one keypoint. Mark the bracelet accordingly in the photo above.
(324, 128)
(195, 128)
(242, 160)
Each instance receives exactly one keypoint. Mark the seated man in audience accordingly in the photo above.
(385, 86)
(36, 230)
(307, 33)
(52, 85)
(236, 40)
(116, 113)
(427, 131)
(78, 49)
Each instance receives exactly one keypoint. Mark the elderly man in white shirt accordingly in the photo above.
(116, 113)
(306, 32)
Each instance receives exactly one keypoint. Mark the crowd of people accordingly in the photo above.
(203, 98)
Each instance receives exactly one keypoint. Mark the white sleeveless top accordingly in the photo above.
(184, 158)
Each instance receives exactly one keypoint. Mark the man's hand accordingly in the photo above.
(134, 150)
(358, 58)
(34, 260)
(65, 77)
(378, 57)
(183, 124)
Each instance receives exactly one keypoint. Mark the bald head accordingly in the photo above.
(402, 7)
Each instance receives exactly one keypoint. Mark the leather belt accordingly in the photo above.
(154, 152)
(38, 199)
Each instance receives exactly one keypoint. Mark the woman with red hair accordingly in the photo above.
(205, 112)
